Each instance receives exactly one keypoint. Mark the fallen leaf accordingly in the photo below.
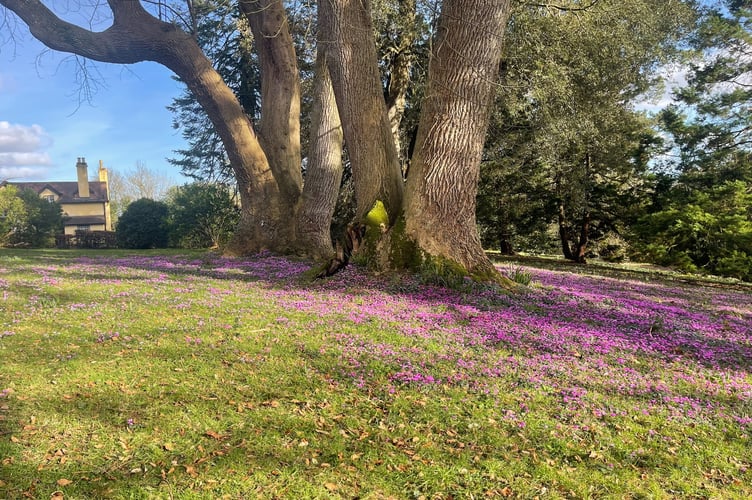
(169, 446)
(57, 495)
(330, 486)
(214, 435)
(64, 482)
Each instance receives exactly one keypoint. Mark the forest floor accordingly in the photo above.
(165, 374)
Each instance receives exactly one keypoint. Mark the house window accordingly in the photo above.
(50, 198)
(83, 227)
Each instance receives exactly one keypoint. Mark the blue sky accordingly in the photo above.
(44, 128)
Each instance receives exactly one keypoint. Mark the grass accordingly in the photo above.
(187, 375)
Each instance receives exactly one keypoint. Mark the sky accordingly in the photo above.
(45, 128)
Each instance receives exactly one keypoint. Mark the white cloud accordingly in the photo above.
(22, 152)
(21, 138)
(674, 77)
(24, 159)
(10, 173)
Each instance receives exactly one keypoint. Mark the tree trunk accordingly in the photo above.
(324, 169)
(579, 254)
(352, 62)
(137, 36)
(505, 245)
(443, 181)
(566, 249)
(399, 72)
(582, 243)
(279, 127)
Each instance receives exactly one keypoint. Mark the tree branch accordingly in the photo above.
(118, 44)
(564, 8)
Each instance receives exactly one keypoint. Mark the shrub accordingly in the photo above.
(143, 225)
(202, 215)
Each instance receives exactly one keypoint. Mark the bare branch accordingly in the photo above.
(563, 8)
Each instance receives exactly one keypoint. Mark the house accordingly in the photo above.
(85, 203)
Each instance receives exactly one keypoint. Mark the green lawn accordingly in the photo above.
(187, 375)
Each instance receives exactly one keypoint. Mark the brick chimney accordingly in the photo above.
(83, 178)
(103, 178)
(103, 175)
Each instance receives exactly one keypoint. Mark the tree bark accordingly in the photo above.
(399, 73)
(346, 27)
(279, 126)
(505, 245)
(137, 36)
(566, 249)
(324, 169)
(582, 243)
(443, 181)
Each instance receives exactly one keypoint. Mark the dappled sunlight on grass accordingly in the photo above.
(162, 374)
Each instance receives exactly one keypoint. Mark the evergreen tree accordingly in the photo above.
(44, 219)
(226, 39)
(143, 225)
(701, 218)
(566, 148)
(202, 215)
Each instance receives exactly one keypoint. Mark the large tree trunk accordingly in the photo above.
(351, 56)
(442, 185)
(401, 63)
(324, 168)
(279, 127)
(137, 36)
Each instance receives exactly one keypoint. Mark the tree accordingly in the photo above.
(438, 222)
(352, 62)
(13, 216)
(44, 219)
(226, 39)
(228, 42)
(444, 172)
(138, 182)
(709, 229)
(267, 191)
(202, 215)
(144, 225)
(324, 178)
(701, 217)
(564, 135)
(711, 120)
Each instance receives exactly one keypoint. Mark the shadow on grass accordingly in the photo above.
(573, 318)
(657, 318)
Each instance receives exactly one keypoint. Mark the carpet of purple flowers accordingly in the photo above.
(573, 356)
(683, 351)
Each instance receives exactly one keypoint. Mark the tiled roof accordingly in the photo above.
(67, 191)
